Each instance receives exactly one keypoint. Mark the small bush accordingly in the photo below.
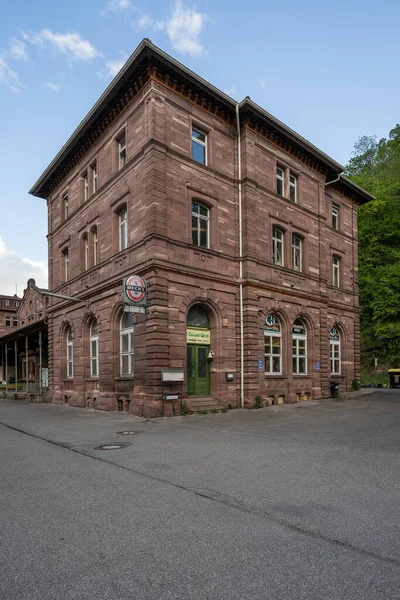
(355, 385)
(4, 395)
(257, 402)
(185, 409)
(230, 407)
(214, 411)
(224, 409)
(203, 412)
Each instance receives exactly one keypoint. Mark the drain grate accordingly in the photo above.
(111, 447)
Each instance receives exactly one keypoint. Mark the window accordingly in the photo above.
(94, 178)
(94, 245)
(335, 271)
(122, 152)
(85, 187)
(66, 263)
(199, 146)
(123, 229)
(280, 181)
(85, 250)
(335, 351)
(94, 350)
(126, 329)
(335, 216)
(65, 206)
(16, 303)
(293, 188)
(277, 246)
(8, 321)
(200, 225)
(15, 322)
(70, 354)
(296, 252)
(6, 303)
(299, 347)
(272, 345)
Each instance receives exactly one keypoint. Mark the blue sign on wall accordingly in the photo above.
(318, 366)
(260, 365)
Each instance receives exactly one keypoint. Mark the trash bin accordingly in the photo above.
(334, 388)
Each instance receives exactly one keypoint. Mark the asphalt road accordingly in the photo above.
(286, 503)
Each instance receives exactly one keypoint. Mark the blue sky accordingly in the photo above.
(329, 71)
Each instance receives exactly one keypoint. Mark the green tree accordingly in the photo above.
(375, 166)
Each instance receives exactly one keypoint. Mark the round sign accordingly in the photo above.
(135, 288)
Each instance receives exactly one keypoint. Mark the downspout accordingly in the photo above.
(333, 181)
(239, 160)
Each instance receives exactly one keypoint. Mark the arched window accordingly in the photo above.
(277, 247)
(335, 351)
(94, 350)
(126, 348)
(197, 317)
(200, 225)
(299, 347)
(273, 345)
(70, 354)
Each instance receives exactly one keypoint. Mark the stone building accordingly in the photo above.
(248, 243)
(8, 313)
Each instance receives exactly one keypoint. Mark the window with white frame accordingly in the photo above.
(65, 255)
(94, 350)
(85, 187)
(94, 177)
(8, 321)
(65, 206)
(94, 245)
(335, 358)
(123, 229)
(16, 303)
(85, 250)
(293, 187)
(335, 216)
(122, 151)
(297, 248)
(70, 354)
(15, 322)
(280, 181)
(272, 345)
(335, 271)
(200, 225)
(199, 146)
(126, 343)
(299, 347)
(6, 302)
(277, 247)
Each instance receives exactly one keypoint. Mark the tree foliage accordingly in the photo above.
(375, 166)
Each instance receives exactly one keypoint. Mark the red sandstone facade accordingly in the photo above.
(8, 313)
(93, 186)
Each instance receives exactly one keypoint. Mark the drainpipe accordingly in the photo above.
(239, 159)
(333, 181)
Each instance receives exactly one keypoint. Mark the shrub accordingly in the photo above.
(355, 385)
(257, 402)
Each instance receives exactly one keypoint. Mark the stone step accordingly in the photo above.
(197, 403)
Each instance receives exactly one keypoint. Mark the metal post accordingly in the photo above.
(6, 350)
(181, 399)
(16, 364)
(27, 363)
(40, 361)
(162, 392)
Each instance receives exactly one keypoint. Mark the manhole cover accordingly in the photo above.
(126, 432)
(110, 447)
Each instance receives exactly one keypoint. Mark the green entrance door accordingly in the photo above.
(198, 370)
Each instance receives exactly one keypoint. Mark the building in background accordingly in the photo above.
(8, 313)
(24, 348)
(249, 250)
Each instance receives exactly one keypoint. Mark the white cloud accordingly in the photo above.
(231, 91)
(9, 78)
(53, 86)
(112, 67)
(184, 29)
(16, 270)
(262, 84)
(116, 6)
(72, 45)
(145, 21)
(18, 50)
